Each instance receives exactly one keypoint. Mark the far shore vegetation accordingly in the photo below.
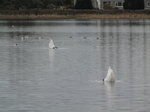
(57, 9)
(74, 14)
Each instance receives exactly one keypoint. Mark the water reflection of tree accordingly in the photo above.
(14, 28)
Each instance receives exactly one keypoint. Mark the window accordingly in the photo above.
(119, 4)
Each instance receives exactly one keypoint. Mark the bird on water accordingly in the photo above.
(110, 77)
(52, 45)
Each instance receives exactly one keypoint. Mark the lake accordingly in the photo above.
(34, 78)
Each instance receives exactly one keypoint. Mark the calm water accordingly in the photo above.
(34, 78)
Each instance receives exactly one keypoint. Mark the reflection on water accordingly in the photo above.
(34, 78)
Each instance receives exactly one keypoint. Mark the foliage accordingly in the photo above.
(83, 4)
(134, 4)
(62, 4)
(33, 4)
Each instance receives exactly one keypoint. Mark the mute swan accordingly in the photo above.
(51, 45)
(110, 76)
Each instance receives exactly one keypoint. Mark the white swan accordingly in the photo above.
(110, 77)
(51, 45)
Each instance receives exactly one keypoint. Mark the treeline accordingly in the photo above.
(128, 4)
(35, 4)
(83, 4)
(60, 4)
(134, 4)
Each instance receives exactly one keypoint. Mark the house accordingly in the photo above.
(114, 3)
(118, 4)
(100, 4)
(107, 4)
(107, 1)
(147, 4)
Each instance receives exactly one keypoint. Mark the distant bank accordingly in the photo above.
(74, 14)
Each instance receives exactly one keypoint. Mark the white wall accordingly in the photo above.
(146, 4)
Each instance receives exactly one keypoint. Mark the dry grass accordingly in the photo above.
(78, 16)
(112, 16)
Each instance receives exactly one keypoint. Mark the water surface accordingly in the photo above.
(34, 78)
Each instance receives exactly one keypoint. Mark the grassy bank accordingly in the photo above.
(71, 14)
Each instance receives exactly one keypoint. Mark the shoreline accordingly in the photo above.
(83, 16)
(74, 14)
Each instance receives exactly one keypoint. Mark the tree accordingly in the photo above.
(1, 3)
(83, 4)
(32, 4)
(134, 4)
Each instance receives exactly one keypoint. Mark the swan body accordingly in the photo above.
(110, 76)
(51, 45)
